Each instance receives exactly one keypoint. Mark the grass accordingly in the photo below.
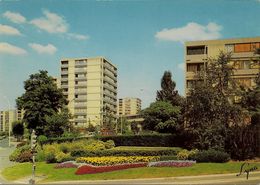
(43, 169)
(143, 148)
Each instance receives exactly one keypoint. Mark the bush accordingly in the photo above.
(168, 157)
(109, 144)
(115, 152)
(210, 156)
(17, 153)
(185, 154)
(62, 157)
(25, 156)
(152, 140)
(21, 144)
(50, 158)
(42, 139)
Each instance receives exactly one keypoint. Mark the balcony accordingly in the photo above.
(110, 88)
(110, 74)
(81, 91)
(81, 64)
(79, 78)
(64, 72)
(241, 72)
(64, 86)
(109, 80)
(80, 105)
(196, 58)
(81, 85)
(243, 55)
(80, 70)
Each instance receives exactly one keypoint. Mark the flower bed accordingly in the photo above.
(100, 161)
(171, 164)
(68, 164)
(90, 169)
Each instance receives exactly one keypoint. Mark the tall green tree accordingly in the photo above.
(168, 92)
(209, 108)
(57, 123)
(41, 98)
(162, 117)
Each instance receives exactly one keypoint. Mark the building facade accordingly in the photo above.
(7, 117)
(129, 106)
(90, 85)
(244, 60)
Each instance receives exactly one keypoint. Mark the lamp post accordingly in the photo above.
(9, 124)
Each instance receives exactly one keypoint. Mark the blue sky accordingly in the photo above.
(142, 38)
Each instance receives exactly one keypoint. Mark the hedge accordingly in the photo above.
(151, 140)
(163, 152)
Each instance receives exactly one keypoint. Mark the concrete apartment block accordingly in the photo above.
(90, 85)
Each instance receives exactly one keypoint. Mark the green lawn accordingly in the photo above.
(43, 169)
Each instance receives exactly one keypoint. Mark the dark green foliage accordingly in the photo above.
(243, 142)
(18, 130)
(168, 157)
(209, 111)
(61, 140)
(168, 92)
(162, 117)
(152, 140)
(50, 158)
(210, 156)
(42, 139)
(57, 123)
(162, 152)
(41, 99)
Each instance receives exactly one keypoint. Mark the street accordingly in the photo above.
(5, 151)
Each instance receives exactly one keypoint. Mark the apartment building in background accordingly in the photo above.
(244, 60)
(7, 117)
(129, 106)
(57, 81)
(90, 85)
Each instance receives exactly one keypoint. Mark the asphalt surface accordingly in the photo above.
(5, 151)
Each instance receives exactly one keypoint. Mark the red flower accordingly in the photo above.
(89, 169)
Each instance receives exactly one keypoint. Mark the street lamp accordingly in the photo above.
(9, 124)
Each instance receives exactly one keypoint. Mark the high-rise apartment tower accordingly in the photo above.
(90, 85)
(129, 106)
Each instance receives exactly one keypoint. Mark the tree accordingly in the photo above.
(41, 98)
(162, 117)
(57, 123)
(18, 129)
(209, 108)
(168, 92)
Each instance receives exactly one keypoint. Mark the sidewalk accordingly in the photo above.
(254, 178)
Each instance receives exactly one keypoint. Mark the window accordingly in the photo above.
(64, 62)
(229, 47)
(195, 67)
(196, 50)
(246, 47)
(64, 76)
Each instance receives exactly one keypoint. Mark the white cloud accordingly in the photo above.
(41, 49)
(6, 48)
(181, 66)
(78, 36)
(192, 31)
(51, 23)
(14, 17)
(8, 30)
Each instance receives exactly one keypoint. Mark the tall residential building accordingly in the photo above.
(57, 81)
(243, 58)
(90, 85)
(129, 106)
(7, 117)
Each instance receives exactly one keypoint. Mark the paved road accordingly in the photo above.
(5, 151)
(221, 179)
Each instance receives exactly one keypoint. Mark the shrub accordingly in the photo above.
(168, 157)
(40, 157)
(210, 156)
(17, 152)
(185, 154)
(21, 144)
(62, 157)
(25, 156)
(42, 139)
(109, 144)
(116, 152)
(152, 140)
(50, 158)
